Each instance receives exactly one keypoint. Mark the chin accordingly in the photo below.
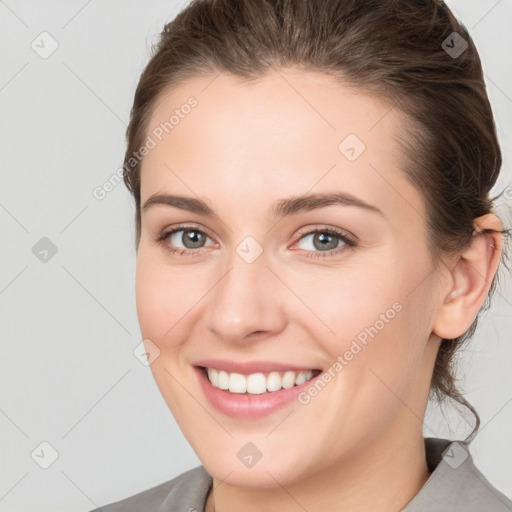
(268, 472)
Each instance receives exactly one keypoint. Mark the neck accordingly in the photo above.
(389, 472)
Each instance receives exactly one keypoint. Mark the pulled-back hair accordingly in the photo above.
(412, 54)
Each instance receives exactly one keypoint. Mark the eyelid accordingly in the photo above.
(325, 228)
(348, 241)
(166, 234)
(186, 227)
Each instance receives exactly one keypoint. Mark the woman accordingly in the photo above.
(315, 239)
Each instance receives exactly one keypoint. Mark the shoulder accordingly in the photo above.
(187, 491)
(456, 483)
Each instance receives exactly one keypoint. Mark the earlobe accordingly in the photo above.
(470, 279)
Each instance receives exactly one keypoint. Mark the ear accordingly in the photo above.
(470, 278)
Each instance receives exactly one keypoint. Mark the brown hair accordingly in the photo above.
(402, 51)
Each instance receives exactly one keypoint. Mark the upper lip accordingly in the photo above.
(248, 367)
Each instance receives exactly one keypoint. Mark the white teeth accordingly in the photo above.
(288, 380)
(257, 383)
(213, 375)
(223, 380)
(301, 378)
(237, 383)
(273, 381)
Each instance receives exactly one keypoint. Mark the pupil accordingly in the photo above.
(193, 237)
(322, 237)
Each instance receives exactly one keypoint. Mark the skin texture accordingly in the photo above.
(244, 146)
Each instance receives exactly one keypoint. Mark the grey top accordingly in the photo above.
(455, 484)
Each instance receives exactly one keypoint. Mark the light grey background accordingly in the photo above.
(69, 325)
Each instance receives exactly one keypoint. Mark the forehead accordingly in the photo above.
(288, 132)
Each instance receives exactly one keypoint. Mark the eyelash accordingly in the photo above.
(348, 241)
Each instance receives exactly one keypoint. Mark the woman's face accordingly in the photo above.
(253, 291)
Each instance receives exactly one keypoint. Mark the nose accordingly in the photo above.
(246, 303)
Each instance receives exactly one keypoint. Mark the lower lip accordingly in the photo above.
(242, 405)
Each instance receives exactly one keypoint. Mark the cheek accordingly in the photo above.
(348, 301)
(168, 299)
(158, 293)
(372, 320)
(150, 298)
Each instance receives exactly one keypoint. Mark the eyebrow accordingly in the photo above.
(279, 209)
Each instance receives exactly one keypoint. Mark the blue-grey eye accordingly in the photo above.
(191, 238)
(322, 241)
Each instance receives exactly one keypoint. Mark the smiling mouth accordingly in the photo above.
(257, 383)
